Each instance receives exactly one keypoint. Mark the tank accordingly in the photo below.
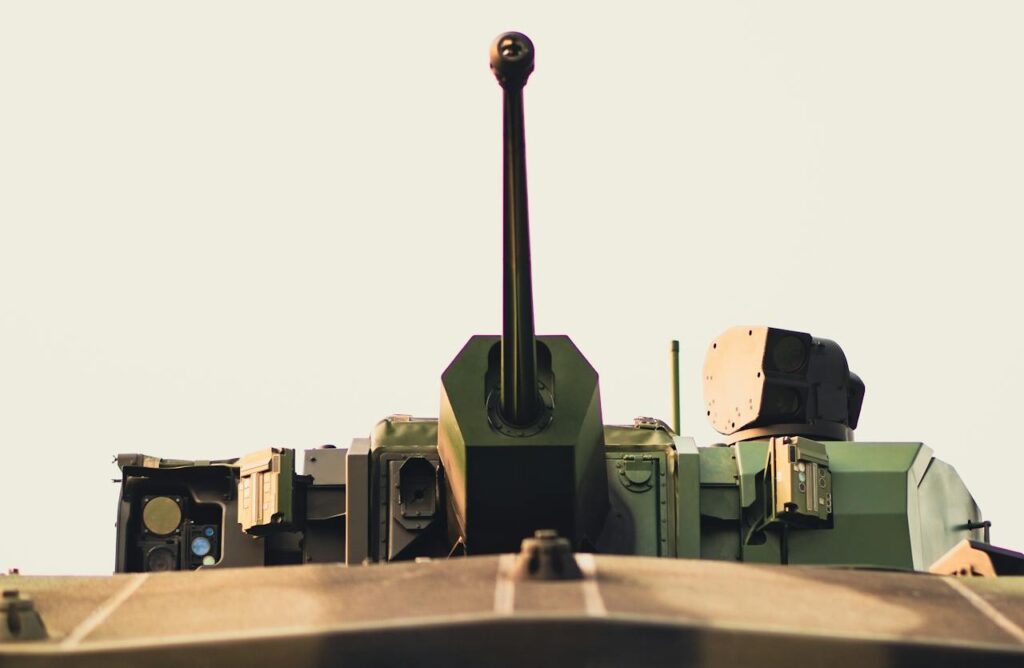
(518, 527)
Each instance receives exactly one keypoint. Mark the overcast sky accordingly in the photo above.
(230, 225)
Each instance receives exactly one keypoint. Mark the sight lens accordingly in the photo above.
(161, 559)
(161, 515)
(200, 546)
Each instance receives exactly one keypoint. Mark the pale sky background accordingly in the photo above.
(229, 225)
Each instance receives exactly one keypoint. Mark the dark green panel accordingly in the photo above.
(466, 429)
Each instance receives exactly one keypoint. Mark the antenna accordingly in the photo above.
(674, 357)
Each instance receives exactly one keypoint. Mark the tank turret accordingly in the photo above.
(520, 447)
(520, 432)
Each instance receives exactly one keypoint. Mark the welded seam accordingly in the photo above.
(100, 614)
(986, 608)
(593, 603)
(505, 586)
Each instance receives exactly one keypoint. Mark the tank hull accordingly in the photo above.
(632, 611)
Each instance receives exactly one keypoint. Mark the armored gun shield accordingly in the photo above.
(507, 481)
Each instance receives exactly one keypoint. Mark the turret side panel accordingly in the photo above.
(894, 507)
(945, 509)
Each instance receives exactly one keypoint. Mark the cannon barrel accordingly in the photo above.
(512, 62)
(509, 470)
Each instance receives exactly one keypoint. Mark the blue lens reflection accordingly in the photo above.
(200, 546)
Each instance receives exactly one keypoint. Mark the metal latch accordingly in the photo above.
(637, 474)
(650, 423)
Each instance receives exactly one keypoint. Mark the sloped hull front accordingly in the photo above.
(627, 611)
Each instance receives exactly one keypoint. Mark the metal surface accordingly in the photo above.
(626, 611)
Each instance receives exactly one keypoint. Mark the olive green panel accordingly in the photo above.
(404, 430)
(720, 502)
(640, 463)
(871, 527)
(464, 384)
(568, 451)
(880, 541)
(393, 530)
(717, 466)
(769, 552)
(869, 457)
(687, 498)
(720, 542)
(751, 459)
(869, 483)
(922, 462)
(944, 506)
(895, 506)
(641, 522)
(750, 462)
(719, 496)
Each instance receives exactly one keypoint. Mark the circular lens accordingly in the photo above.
(208, 560)
(789, 354)
(162, 515)
(200, 546)
(208, 532)
(161, 559)
(783, 401)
